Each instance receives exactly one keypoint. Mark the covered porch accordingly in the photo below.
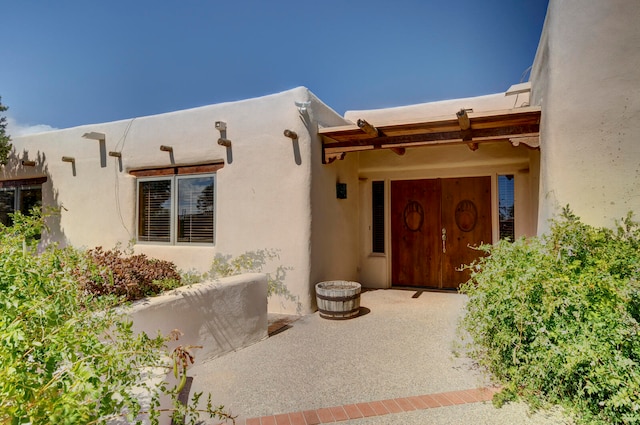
(432, 185)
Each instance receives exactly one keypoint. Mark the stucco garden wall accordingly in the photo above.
(586, 77)
(223, 315)
(262, 193)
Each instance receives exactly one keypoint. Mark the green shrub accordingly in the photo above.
(64, 357)
(555, 319)
(128, 276)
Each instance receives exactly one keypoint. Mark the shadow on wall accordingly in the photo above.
(26, 167)
(255, 262)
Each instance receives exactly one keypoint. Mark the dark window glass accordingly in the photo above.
(195, 209)
(377, 222)
(154, 211)
(30, 197)
(7, 205)
(18, 198)
(506, 207)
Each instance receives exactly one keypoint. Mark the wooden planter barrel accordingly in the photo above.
(338, 299)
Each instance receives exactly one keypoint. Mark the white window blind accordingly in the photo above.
(154, 211)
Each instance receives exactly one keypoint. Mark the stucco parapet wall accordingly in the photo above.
(222, 315)
(491, 102)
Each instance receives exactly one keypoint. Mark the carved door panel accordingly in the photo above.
(466, 218)
(415, 216)
(433, 222)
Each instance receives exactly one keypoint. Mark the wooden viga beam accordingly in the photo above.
(465, 128)
(374, 132)
(368, 128)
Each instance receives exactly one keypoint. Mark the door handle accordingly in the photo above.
(444, 240)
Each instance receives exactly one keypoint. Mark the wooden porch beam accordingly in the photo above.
(465, 128)
(368, 128)
(443, 137)
(463, 119)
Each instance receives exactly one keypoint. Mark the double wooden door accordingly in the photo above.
(433, 224)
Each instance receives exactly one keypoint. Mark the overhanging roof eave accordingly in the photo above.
(463, 127)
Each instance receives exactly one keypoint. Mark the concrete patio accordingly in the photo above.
(400, 361)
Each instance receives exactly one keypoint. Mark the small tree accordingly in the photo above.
(5, 140)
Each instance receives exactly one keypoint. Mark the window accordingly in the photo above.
(377, 221)
(176, 209)
(19, 195)
(506, 207)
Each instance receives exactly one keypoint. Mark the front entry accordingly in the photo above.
(433, 223)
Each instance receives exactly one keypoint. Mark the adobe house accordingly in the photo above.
(389, 197)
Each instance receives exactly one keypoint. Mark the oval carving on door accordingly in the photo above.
(413, 216)
(466, 215)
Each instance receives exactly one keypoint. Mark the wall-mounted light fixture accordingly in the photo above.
(115, 154)
(94, 135)
(291, 134)
(224, 142)
(341, 190)
(28, 163)
(221, 125)
(165, 148)
(302, 106)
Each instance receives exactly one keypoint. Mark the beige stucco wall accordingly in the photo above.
(334, 222)
(491, 159)
(221, 316)
(263, 193)
(586, 77)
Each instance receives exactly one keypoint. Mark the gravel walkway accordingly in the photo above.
(404, 345)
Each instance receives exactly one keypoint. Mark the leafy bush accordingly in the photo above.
(65, 358)
(129, 276)
(555, 319)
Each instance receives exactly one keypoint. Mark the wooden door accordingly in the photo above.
(466, 218)
(415, 217)
(422, 212)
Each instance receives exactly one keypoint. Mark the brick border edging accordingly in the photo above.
(375, 408)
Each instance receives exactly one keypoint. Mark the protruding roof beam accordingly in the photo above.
(369, 129)
(465, 128)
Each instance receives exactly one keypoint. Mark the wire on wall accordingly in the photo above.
(119, 148)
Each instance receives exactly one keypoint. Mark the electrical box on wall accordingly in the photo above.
(341, 190)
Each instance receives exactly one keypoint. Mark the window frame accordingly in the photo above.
(378, 218)
(17, 186)
(511, 177)
(173, 210)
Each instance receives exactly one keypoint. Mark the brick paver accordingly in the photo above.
(374, 408)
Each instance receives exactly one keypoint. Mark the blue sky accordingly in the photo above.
(68, 63)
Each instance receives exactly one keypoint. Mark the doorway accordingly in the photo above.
(433, 224)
